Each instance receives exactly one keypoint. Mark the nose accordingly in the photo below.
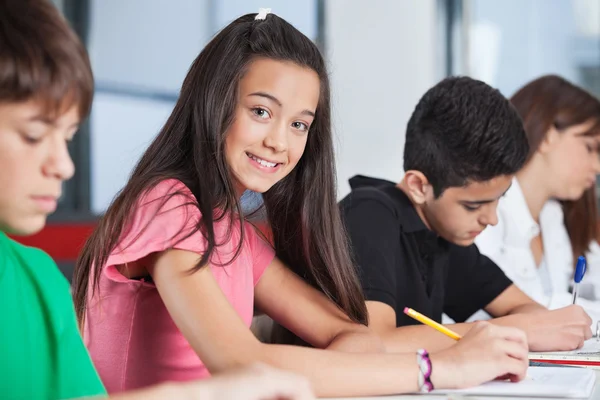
(58, 163)
(277, 138)
(489, 215)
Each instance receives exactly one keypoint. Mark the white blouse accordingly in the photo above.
(508, 245)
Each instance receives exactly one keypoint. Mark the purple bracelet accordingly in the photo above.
(425, 370)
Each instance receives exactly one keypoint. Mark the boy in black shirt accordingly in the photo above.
(413, 241)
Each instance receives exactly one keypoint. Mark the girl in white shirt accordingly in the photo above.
(553, 192)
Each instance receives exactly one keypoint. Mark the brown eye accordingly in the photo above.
(261, 113)
(301, 126)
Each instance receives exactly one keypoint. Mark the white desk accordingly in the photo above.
(595, 396)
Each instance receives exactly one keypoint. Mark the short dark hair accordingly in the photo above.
(462, 131)
(41, 58)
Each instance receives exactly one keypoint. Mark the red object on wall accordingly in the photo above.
(62, 241)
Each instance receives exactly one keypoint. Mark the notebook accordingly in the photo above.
(588, 356)
(548, 382)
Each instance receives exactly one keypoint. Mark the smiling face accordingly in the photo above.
(276, 106)
(34, 162)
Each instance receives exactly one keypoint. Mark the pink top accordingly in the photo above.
(130, 335)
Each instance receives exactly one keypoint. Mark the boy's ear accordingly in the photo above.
(418, 186)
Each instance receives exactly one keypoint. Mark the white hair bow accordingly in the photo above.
(262, 13)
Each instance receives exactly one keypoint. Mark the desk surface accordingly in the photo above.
(595, 396)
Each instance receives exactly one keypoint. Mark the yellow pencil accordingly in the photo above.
(428, 321)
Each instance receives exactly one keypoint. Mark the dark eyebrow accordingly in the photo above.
(480, 202)
(476, 203)
(276, 101)
(267, 96)
(307, 112)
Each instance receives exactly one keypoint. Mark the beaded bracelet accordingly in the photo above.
(425, 370)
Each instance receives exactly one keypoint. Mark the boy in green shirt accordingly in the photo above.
(46, 89)
(41, 63)
(39, 334)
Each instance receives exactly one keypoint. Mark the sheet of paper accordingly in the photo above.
(590, 348)
(564, 383)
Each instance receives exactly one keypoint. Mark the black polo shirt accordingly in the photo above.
(404, 264)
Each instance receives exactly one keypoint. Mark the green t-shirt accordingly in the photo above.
(42, 355)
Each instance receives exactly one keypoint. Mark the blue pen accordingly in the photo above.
(579, 273)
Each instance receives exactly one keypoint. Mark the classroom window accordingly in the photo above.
(511, 42)
(508, 43)
(140, 52)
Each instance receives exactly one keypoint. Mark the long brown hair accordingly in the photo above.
(301, 208)
(551, 101)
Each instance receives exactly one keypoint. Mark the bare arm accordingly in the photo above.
(257, 382)
(563, 329)
(513, 301)
(217, 334)
(310, 314)
(220, 338)
(382, 319)
(547, 330)
(409, 338)
(162, 391)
